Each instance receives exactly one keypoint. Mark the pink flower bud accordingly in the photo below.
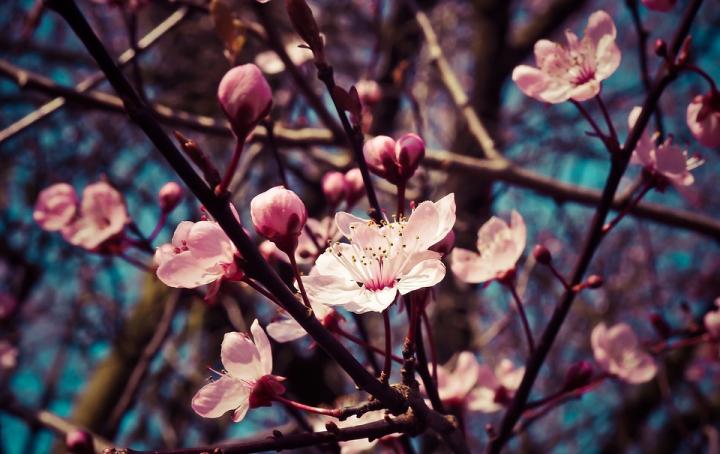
(394, 161)
(170, 195)
(578, 375)
(594, 281)
(79, 442)
(354, 186)
(659, 5)
(55, 207)
(245, 97)
(542, 254)
(660, 325)
(410, 151)
(703, 119)
(279, 215)
(369, 91)
(334, 187)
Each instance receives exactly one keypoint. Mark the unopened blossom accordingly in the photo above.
(200, 253)
(334, 187)
(666, 162)
(499, 247)
(245, 97)
(78, 441)
(55, 207)
(381, 260)
(394, 161)
(354, 186)
(247, 381)
(279, 215)
(495, 388)
(102, 216)
(659, 5)
(618, 352)
(703, 118)
(169, 195)
(573, 71)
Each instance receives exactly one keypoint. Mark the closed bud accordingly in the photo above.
(354, 186)
(594, 281)
(394, 161)
(245, 97)
(334, 187)
(661, 325)
(279, 215)
(170, 195)
(578, 375)
(410, 151)
(542, 254)
(79, 442)
(660, 48)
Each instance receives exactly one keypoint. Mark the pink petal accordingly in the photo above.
(425, 274)
(263, 347)
(519, 233)
(621, 336)
(600, 25)
(607, 58)
(643, 371)
(544, 49)
(586, 91)
(331, 290)
(531, 81)
(373, 301)
(344, 220)
(207, 240)
(446, 213)
(218, 397)
(466, 373)
(179, 239)
(183, 271)
(286, 330)
(469, 267)
(240, 357)
(422, 227)
(508, 375)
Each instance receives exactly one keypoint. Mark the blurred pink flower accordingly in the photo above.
(245, 97)
(712, 320)
(355, 186)
(665, 161)
(454, 386)
(500, 246)
(334, 187)
(703, 119)
(381, 260)
(200, 253)
(8, 355)
(394, 161)
(169, 195)
(279, 215)
(572, 72)
(369, 91)
(617, 351)
(55, 207)
(494, 389)
(248, 381)
(102, 215)
(659, 5)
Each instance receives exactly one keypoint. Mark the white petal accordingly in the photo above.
(218, 397)
(240, 357)
(331, 290)
(263, 347)
(470, 267)
(286, 330)
(425, 274)
(344, 220)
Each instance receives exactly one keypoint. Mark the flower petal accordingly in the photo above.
(240, 357)
(344, 220)
(425, 274)
(286, 330)
(218, 397)
(184, 271)
(263, 347)
(469, 267)
(600, 25)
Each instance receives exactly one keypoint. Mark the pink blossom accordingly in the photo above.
(200, 253)
(572, 72)
(102, 216)
(454, 386)
(659, 5)
(666, 162)
(494, 389)
(617, 351)
(381, 260)
(279, 215)
(55, 207)
(248, 381)
(334, 187)
(354, 185)
(711, 320)
(360, 445)
(369, 91)
(245, 97)
(169, 195)
(394, 161)
(703, 119)
(499, 245)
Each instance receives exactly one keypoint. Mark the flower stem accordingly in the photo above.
(400, 199)
(626, 209)
(158, 227)
(230, 171)
(387, 368)
(598, 132)
(334, 412)
(523, 316)
(270, 128)
(608, 121)
(258, 288)
(701, 72)
(296, 272)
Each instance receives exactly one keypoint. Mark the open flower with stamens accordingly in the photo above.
(382, 260)
(499, 247)
(665, 162)
(247, 381)
(618, 352)
(573, 71)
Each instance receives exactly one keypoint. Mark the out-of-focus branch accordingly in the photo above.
(126, 57)
(453, 86)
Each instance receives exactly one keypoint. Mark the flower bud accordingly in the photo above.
(245, 97)
(578, 375)
(354, 186)
(660, 48)
(410, 151)
(334, 187)
(394, 161)
(542, 254)
(703, 119)
(279, 215)
(379, 154)
(170, 195)
(79, 442)
(594, 281)
(55, 207)
(661, 325)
